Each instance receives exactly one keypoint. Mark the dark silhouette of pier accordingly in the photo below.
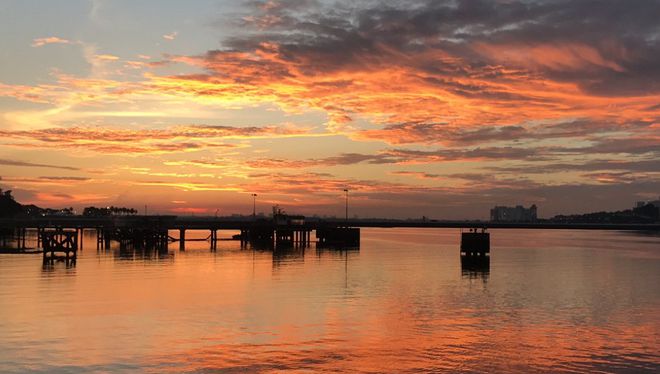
(59, 244)
(475, 253)
(156, 231)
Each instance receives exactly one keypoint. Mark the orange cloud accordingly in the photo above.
(501, 87)
(189, 186)
(190, 210)
(67, 199)
(106, 57)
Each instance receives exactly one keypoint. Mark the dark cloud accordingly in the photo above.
(67, 179)
(599, 165)
(608, 47)
(401, 156)
(34, 165)
(441, 133)
(417, 174)
(343, 159)
(443, 71)
(632, 145)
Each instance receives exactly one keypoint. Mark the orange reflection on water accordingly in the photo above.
(401, 303)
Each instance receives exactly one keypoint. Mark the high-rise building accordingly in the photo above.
(513, 214)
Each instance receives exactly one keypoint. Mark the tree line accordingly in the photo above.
(92, 211)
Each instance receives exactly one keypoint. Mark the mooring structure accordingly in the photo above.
(475, 250)
(59, 244)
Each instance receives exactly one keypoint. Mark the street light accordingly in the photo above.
(346, 190)
(254, 206)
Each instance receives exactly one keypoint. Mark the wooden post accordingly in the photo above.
(182, 239)
(214, 235)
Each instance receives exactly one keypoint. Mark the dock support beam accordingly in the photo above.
(214, 239)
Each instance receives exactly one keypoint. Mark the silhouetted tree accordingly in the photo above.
(109, 211)
(8, 206)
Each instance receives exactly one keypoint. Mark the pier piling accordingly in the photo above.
(182, 239)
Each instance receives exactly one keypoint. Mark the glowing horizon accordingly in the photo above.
(441, 109)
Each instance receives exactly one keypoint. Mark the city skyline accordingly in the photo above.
(418, 108)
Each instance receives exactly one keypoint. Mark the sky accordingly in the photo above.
(441, 109)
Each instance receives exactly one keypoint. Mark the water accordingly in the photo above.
(581, 301)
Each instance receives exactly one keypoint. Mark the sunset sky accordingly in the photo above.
(435, 108)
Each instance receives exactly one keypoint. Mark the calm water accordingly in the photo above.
(551, 301)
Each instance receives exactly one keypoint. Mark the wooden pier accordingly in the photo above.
(143, 232)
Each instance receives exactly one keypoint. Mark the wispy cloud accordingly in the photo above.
(133, 142)
(61, 178)
(417, 174)
(40, 42)
(34, 165)
(171, 36)
(106, 57)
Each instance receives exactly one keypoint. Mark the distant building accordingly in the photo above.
(281, 218)
(641, 204)
(513, 214)
(648, 209)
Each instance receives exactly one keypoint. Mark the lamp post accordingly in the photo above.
(346, 190)
(254, 206)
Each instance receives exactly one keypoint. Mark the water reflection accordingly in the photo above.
(54, 264)
(129, 253)
(341, 250)
(570, 302)
(475, 267)
(288, 255)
